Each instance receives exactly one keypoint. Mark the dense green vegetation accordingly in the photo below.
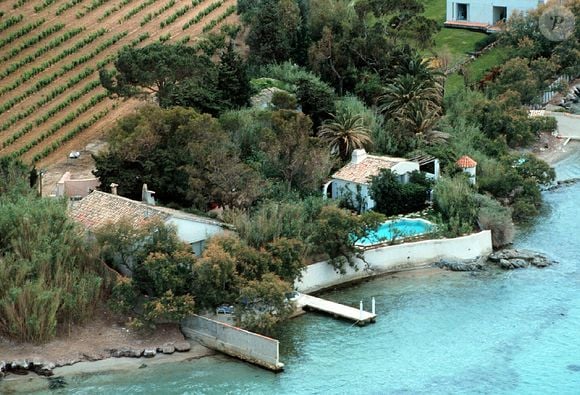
(50, 274)
(325, 77)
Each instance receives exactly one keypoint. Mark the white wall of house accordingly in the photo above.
(344, 188)
(404, 169)
(193, 232)
(486, 11)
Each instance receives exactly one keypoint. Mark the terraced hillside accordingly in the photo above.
(51, 100)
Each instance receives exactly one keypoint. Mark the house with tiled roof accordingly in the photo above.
(99, 209)
(353, 180)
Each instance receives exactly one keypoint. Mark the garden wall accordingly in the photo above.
(237, 342)
(386, 259)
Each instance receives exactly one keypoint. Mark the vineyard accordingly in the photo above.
(51, 100)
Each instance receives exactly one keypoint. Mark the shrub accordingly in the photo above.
(485, 41)
(493, 216)
(336, 231)
(123, 296)
(392, 197)
(262, 304)
(283, 100)
(454, 200)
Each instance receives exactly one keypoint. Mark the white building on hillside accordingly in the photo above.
(101, 209)
(483, 14)
(353, 180)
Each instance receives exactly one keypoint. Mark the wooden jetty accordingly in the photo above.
(359, 316)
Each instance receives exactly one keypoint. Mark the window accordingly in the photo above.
(461, 13)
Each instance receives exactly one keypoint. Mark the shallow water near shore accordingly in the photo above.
(499, 332)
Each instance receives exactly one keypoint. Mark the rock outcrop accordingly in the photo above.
(506, 259)
(509, 259)
(465, 265)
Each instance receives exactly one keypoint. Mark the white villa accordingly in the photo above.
(355, 177)
(99, 209)
(483, 14)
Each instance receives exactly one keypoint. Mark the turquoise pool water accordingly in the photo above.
(398, 228)
(438, 332)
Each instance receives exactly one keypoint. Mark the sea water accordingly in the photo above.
(437, 332)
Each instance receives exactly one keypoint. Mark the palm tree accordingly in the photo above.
(413, 101)
(344, 133)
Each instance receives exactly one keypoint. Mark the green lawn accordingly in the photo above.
(476, 69)
(456, 42)
(487, 61)
(435, 9)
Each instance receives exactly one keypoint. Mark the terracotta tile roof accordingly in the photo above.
(100, 208)
(362, 172)
(465, 162)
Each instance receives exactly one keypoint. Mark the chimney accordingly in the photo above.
(147, 196)
(114, 188)
(358, 155)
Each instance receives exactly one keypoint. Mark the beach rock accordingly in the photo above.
(23, 364)
(458, 265)
(44, 370)
(168, 348)
(149, 353)
(515, 259)
(182, 346)
(67, 362)
(127, 353)
(540, 261)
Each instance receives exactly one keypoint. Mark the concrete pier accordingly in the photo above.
(359, 316)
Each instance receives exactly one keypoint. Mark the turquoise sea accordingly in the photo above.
(438, 332)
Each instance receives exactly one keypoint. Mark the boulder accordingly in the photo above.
(168, 348)
(182, 346)
(127, 352)
(23, 364)
(515, 259)
(149, 353)
(519, 263)
(457, 265)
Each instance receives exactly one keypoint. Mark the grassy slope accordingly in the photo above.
(458, 43)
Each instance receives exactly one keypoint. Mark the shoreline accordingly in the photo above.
(75, 361)
(33, 382)
(553, 150)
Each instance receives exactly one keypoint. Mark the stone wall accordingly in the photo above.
(239, 343)
(386, 259)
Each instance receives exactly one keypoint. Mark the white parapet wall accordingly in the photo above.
(237, 342)
(387, 259)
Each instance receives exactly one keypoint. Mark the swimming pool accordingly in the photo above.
(398, 228)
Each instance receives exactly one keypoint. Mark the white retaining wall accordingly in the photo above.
(237, 342)
(396, 257)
